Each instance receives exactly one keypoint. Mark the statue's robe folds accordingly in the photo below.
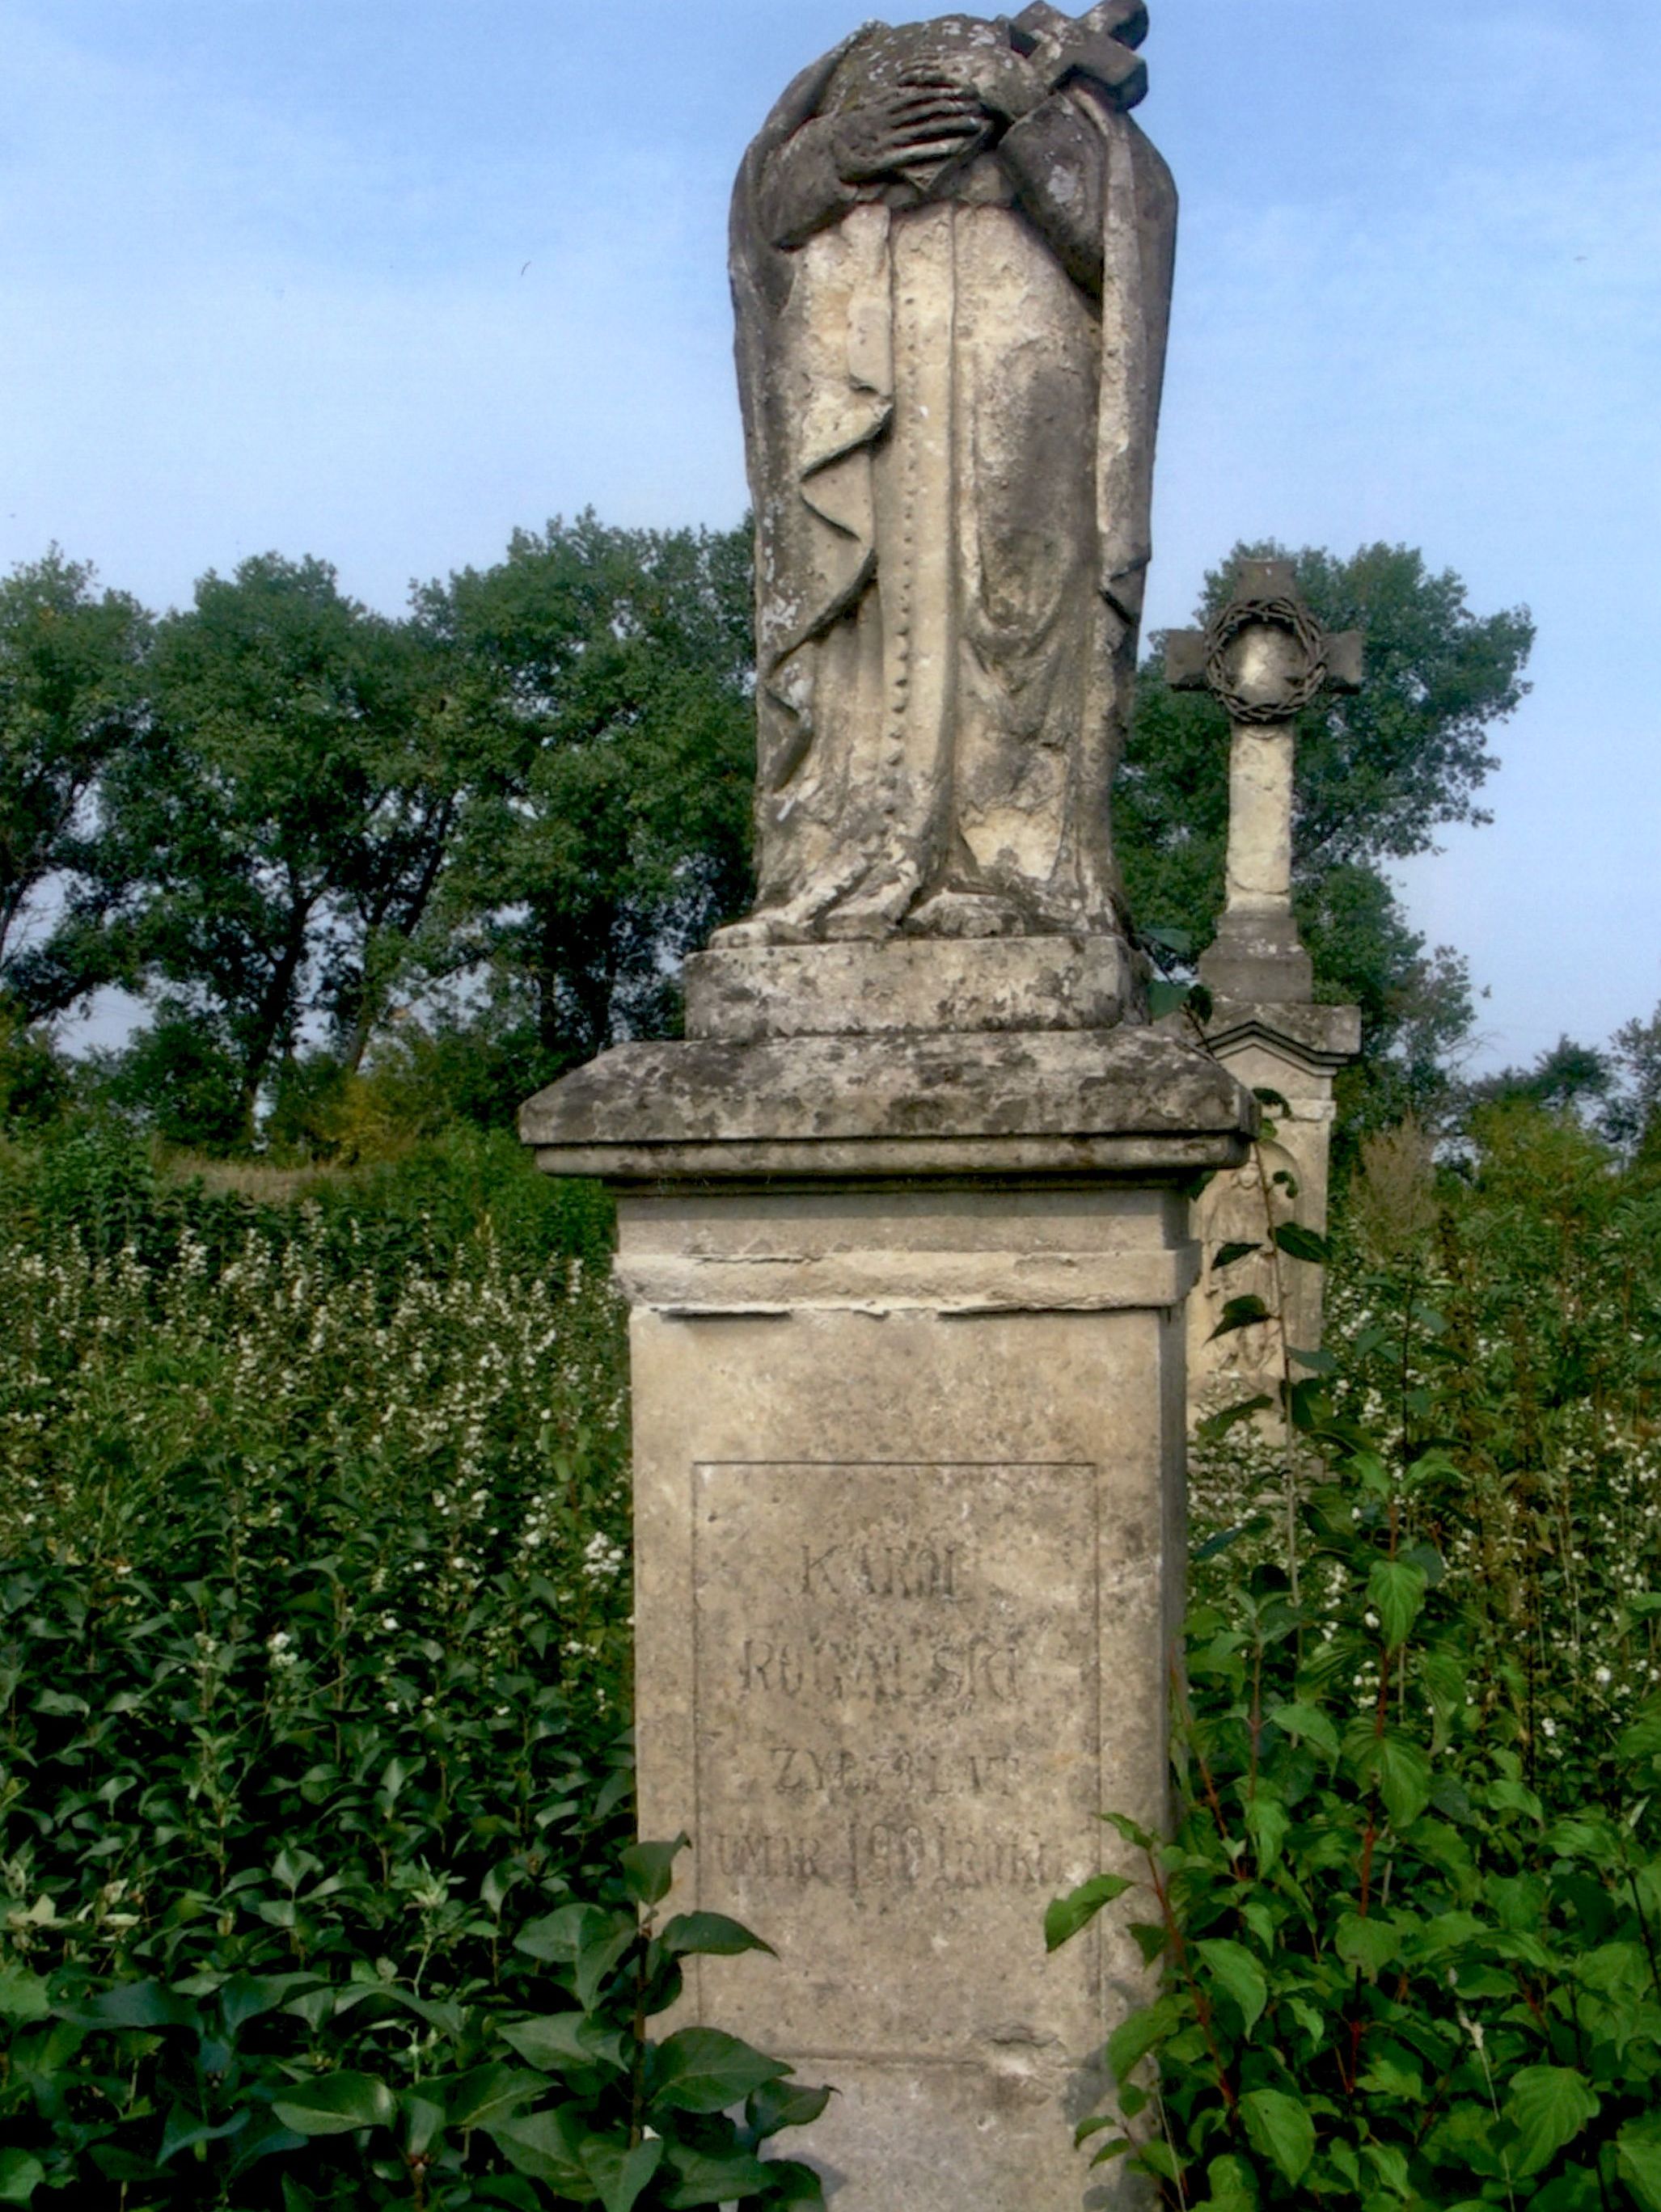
(951, 388)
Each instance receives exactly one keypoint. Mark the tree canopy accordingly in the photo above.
(469, 846)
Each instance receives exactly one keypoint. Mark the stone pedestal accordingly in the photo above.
(907, 1356)
(1296, 1050)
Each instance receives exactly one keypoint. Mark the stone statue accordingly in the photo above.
(951, 255)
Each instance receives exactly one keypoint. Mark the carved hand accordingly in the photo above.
(918, 121)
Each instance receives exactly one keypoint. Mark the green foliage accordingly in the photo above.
(316, 1884)
(279, 823)
(429, 1350)
(1409, 1919)
(604, 677)
(69, 708)
(1392, 1977)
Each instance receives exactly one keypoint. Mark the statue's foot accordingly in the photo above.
(760, 929)
(965, 914)
(872, 913)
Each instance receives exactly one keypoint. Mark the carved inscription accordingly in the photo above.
(896, 1698)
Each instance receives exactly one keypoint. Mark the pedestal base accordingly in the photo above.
(907, 1351)
(908, 1539)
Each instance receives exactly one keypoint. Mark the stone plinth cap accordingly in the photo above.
(1321, 1038)
(1122, 1103)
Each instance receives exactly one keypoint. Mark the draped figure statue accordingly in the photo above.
(951, 257)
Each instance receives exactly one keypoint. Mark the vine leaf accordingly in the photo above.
(1240, 1313)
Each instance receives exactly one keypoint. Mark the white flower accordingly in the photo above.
(389, 1622)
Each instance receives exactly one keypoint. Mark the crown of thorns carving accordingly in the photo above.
(1273, 611)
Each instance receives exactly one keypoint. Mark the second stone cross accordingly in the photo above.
(1264, 657)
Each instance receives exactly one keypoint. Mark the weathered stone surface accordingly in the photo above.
(951, 255)
(1056, 1102)
(1259, 957)
(1297, 1051)
(867, 987)
(909, 1578)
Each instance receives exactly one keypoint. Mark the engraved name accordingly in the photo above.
(964, 1671)
(907, 1571)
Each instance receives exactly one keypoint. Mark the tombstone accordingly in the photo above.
(902, 1223)
(1264, 657)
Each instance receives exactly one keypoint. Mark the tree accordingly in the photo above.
(605, 679)
(280, 814)
(71, 665)
(1378, 774)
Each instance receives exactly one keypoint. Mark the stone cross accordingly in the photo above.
(1264, 657)
(1099, 45)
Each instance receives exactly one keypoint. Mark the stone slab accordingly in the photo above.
(1125, 1101)
(870, 988)
(938, 1250)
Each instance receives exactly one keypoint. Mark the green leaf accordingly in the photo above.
(711, 1934)
(1548, 2105)
(1638, 2159)
(790, 2184)
(558, 1936)
(649, 1868)
(1307, 1723)
(1272, 1099)
(1066, 1915)
(1238, 1974)
(619, 2172)
(185, 2129)
(1138, 2033)
(141, 2004)
(548, 2145)
(1267, 1823)
(1369, 1945)
(1230, 2182)
(1404, 1780)
(697, 2177)
(561, 2042)
(1229, 1253)
(702, 2069)
(336, 2104)
(1240, 1313)
(1165, 998)
(1281, 2129)
(24, 1996)
(1301, 1244)
(423, 2123)
(1397, 1592)
(778, 2105)
(484, 2093)
(1168, 939)
(1642, 1740)
(600, 1954)
(20, 2175)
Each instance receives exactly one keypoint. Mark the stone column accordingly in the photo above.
(903, 1229)
(1265, 659)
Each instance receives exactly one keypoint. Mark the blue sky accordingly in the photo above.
(380, 279)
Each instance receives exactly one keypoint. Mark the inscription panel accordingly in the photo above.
(897, 1736)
